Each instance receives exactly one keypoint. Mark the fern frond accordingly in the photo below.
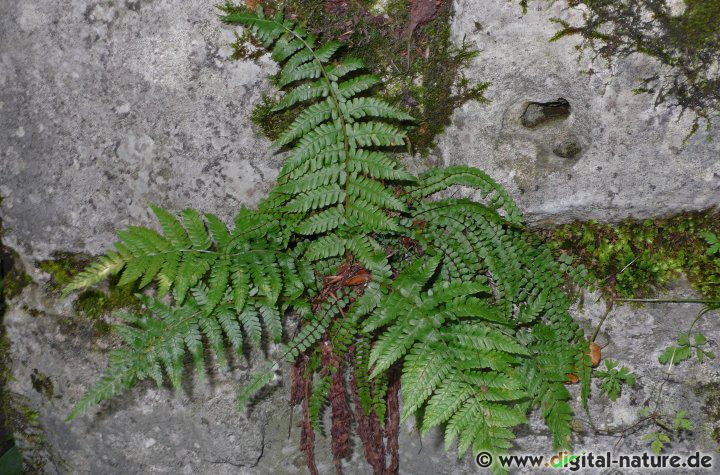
(306, 121)
(379, 134)
(323, 221)
(439, 179)
(346, 66)
(353, 87)
(104, 267)
(272, 321)
(374, 192)
(327, 246)
(362, 107)
(452, 292)
(377, 165)
(256, 383)
(316, 199)
(119, 377)
(317, 401)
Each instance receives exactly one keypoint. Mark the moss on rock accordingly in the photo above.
(711, 407)
(687, 42)
(422, 69)
(635, 259)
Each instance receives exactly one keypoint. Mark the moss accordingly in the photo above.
(12, 277)
(635, 259)
(92, 303)
(688, 43)
(271, 123)
(423, 73)
(42, 384)
(711, 407)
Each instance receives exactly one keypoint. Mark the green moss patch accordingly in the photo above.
(12, 276)
(422, 71)
(711, 407)
(635, 259)
(42, 384)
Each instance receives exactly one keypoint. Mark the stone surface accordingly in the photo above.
(106, 106)
(634, 161)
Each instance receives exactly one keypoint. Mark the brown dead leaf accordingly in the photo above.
(595, 354)
(421, 11)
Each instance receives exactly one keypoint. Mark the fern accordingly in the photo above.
(388, 279)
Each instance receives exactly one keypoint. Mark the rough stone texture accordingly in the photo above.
(105, 106)
(634, 162)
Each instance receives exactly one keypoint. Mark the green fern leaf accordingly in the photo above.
(355, 86)
(327, 51)
(257, 382)
(374, 192)
(317, 401)
(318, 198)
(327, 246)
(322, 222)
(106, 266)
(172, 228)
(306, 121)
(377, 165)
(346, 66)
(378, 134)
(271, 319)
(362, 107)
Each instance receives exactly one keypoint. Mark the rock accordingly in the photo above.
(636, 160)
(537, 113)
(104, 109)
(567, 148)
(676, 7)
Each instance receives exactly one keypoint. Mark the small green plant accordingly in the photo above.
(613, 378)
(684, 347)
(448, 298)
(657, 441)
(659, 438)
(713, 241)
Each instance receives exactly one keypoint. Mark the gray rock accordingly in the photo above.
(108, 106)
(635, 161)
